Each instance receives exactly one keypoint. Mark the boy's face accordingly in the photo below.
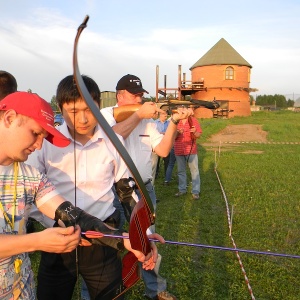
(79, 117)
(26, 136)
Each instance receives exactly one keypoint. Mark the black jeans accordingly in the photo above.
(100, 267)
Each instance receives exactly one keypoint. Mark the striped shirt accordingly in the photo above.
(32, 186)
(184, 144)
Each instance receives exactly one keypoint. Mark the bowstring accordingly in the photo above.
(75, 183)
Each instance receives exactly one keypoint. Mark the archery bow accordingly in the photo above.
(142, 216)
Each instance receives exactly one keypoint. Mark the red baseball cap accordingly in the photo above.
(33, 106)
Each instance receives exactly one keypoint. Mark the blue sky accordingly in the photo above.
(134, 36)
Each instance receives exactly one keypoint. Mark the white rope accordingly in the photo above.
(229, 219)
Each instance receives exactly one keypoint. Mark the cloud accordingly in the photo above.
(38, 51)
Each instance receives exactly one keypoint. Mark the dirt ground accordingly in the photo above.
(238, 133)
(241, 133)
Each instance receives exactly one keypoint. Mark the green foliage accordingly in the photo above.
(290, 103)
(261, 182)
(274, 101)
(53, 104)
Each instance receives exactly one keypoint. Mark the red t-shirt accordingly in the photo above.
(184, 142)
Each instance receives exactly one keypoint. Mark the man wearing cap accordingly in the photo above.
(25, 120)
(141, 137)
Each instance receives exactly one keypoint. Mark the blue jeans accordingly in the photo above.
(182, 177)
(171, 164)
(84, 291)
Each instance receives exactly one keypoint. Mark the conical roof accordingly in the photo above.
(222, 53)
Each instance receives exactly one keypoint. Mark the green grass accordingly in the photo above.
(262, 188)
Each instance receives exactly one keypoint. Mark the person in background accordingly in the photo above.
(171, 164)
(141, 139)
(162, 123)
(8, 84)
(88, 184)
(185, 148)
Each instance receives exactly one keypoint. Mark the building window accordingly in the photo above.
(229, 73)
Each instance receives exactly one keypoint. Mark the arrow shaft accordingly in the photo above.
(97, 234)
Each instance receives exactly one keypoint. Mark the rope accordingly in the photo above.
(229, 218)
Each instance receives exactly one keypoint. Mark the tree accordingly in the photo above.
(277, 101)
(290, 103)
(53, 104)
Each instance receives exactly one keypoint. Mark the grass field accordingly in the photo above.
(261, 182)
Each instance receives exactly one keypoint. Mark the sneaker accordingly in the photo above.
(165, 295)
(166, 183)
(195, 196)
(179, 194)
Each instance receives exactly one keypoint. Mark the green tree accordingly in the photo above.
(290, 103)
(53, 104)
(276, 100)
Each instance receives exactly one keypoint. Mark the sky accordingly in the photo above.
(37, 39)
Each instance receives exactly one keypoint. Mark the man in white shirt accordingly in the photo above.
(141, 137)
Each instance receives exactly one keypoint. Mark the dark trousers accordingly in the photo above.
(166, 162)
(99, 266)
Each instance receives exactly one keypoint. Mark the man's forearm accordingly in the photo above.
(164, 147)
(125, 127)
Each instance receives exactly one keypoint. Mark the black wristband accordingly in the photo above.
(174, 121)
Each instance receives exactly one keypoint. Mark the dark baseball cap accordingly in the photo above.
(131, 83)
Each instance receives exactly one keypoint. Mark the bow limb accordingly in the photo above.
(142, 216)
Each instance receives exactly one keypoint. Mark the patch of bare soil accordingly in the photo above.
(238, 134)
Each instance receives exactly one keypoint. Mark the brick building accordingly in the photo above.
(221, 74)
(226, 77)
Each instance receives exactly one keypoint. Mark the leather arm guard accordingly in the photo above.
(124, 188)
(70, 215)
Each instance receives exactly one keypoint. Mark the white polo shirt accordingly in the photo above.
(140, 143)
(98, 166)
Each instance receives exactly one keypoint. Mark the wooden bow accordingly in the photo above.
(142, 216)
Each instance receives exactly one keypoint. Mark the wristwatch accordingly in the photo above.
(174, 121)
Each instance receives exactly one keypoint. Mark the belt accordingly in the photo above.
(147, 182)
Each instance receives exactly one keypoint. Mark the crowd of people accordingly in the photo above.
(39, 180)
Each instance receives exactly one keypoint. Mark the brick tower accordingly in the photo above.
(226, 77)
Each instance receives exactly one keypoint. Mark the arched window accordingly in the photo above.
(229, 73)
